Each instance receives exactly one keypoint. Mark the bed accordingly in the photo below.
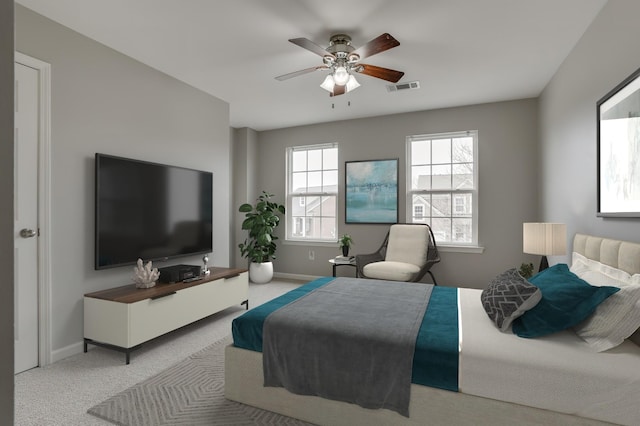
(502, 378)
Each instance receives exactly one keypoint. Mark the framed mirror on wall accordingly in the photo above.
(618, 135)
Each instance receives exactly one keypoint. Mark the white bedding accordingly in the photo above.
(558, 372)
(504, 379)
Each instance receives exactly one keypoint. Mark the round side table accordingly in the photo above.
(335, 264)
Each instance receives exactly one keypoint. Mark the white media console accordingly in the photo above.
(123, 318)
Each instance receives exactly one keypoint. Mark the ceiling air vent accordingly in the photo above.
(403, 86)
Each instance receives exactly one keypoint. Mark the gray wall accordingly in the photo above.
(507, 182)
(6, 212)
(607, 53)
(103, 101)
(244, 143)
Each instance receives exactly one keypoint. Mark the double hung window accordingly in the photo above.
(312, 192)
(442, 185)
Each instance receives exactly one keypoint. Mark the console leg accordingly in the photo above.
(85, 346)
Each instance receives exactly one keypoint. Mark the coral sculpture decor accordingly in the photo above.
(144, 275)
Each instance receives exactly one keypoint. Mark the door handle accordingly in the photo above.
(27, 233)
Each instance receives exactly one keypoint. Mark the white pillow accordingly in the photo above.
(581, 265)
(618, 317)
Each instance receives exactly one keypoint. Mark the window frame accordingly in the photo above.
(290, 195)
(474, 243)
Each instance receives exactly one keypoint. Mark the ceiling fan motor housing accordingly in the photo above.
(340, 43)
(340, 50)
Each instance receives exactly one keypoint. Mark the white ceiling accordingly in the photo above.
(461, 51)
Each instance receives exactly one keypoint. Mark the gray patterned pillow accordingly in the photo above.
(507, 297)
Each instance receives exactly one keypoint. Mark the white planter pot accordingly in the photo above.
(261, 273)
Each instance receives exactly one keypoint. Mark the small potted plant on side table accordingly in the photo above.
(345, 242)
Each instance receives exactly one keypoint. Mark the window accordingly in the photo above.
(312, 192)
(418, 211)
(442, 185)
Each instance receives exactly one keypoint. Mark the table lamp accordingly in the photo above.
(546, 239)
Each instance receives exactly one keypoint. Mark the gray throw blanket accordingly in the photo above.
(351, 340)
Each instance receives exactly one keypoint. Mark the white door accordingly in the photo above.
(26, 217)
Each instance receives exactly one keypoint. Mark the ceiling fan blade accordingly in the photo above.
(310, 46)
(379, 72)
(301, 72)
(338, 90)
(377, 45)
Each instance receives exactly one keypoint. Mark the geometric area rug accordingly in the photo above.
(190, 392)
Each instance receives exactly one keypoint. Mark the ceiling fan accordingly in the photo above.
(342, 60)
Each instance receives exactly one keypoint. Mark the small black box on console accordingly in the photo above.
(177, 273)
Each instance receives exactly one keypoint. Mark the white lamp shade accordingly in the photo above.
(328, 83)
(352, 83)
(546, 239)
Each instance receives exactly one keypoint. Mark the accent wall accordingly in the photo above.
(507, 159)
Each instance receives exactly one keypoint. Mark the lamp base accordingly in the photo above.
(544, 264)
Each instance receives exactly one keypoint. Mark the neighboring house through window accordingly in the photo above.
(418, 211)
(442, 185)
(312, 192)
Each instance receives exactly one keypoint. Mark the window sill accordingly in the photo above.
(441, 247)
(313, 243)
(460, 249)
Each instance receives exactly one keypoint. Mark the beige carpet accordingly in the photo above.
(189, 393)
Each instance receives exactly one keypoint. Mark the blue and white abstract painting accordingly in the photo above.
(371, 191)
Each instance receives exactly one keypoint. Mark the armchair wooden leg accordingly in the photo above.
(433, 278)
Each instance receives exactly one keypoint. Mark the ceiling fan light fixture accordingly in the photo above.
(328, 83)
(342, 60)
(352, 83)
(341, 76)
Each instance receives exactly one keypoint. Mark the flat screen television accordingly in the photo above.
(149, 211)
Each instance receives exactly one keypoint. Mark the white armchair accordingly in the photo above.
(407, 254)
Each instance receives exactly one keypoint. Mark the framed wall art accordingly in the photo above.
(371, 191)
(618, 134)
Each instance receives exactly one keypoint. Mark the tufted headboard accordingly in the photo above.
(616, 253)
(619, 254)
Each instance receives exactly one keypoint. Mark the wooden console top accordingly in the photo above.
(131, 294)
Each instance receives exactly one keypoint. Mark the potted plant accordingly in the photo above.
(526, 270)
(261, 220)
(345, 243)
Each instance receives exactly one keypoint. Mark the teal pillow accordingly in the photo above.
(566, 301)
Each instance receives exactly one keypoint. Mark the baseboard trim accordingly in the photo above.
(67, 351)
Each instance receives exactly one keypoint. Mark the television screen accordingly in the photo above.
(149, 211)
